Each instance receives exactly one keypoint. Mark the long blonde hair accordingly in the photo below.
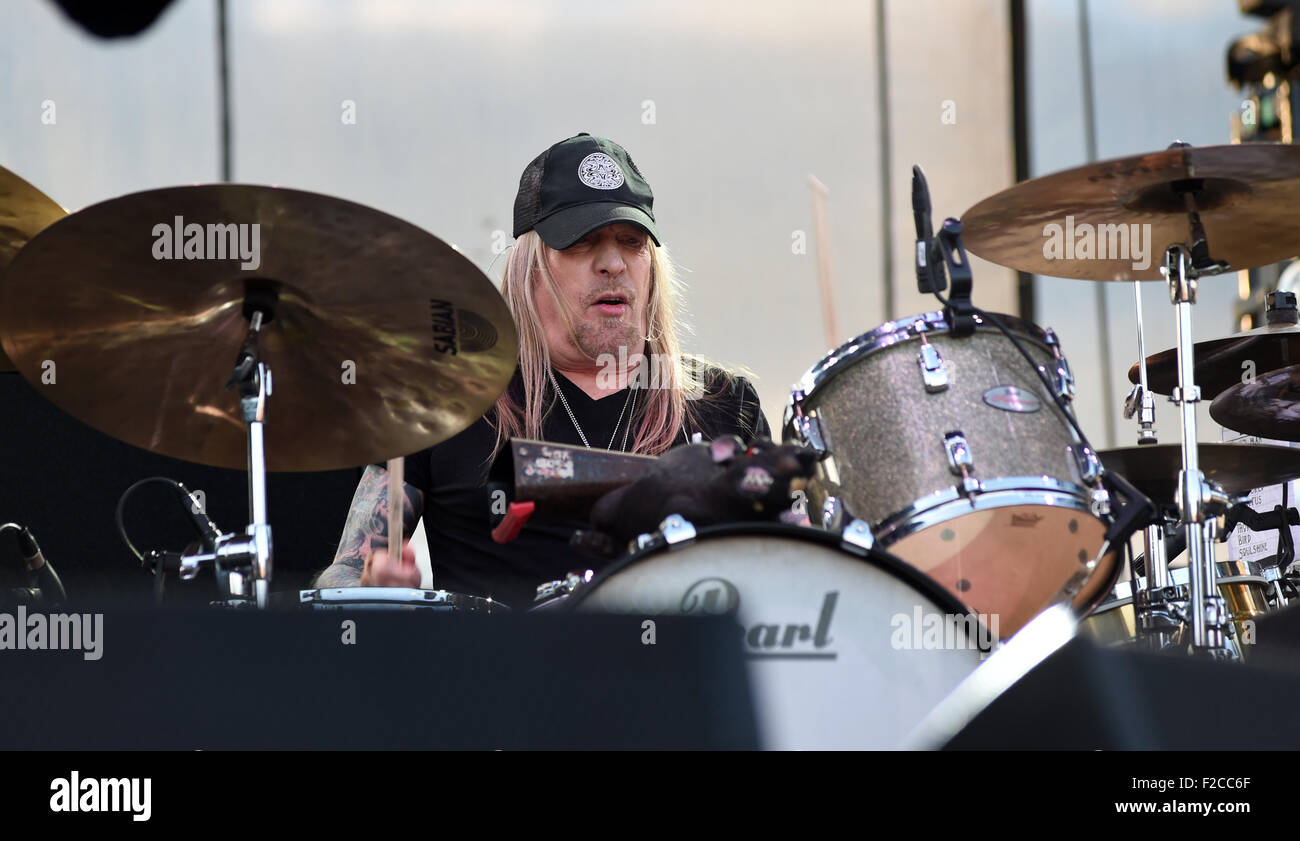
(679, 378)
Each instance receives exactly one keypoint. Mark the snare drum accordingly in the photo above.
(953, 454)
(845, 651)
(1241, 584)
(385, 598)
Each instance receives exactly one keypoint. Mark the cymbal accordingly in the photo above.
(1268, 406)
(385, 340)
(24, 212)
(1220, 364)
(1153, 469)
(1246, 196)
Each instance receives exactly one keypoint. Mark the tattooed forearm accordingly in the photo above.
(366, 528)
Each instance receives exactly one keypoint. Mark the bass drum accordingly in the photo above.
(959, 461)
(845, 650)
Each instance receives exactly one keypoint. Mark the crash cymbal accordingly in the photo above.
(1220, 364)
(1153, 469)
(385, 340)
(1245, 195)
(24, 212)
(1268, 406)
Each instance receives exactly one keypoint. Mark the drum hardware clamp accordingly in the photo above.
(961, 463)
(934, 373)
(857, 536)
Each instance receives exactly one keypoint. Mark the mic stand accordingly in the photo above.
(949, 254)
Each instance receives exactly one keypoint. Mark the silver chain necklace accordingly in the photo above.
(631, 400)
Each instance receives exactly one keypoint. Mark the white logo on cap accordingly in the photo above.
(600, 172)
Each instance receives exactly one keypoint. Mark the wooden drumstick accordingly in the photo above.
(396, 503)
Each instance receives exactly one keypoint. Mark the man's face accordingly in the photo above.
(605, 280)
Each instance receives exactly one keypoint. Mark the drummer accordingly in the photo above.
(597, 306)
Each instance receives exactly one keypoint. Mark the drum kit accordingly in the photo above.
(956, 498)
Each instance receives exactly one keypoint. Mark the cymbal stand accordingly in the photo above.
(1197, 499)
(1142, 404)
(243, 565)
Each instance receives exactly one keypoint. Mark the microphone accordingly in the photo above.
(203, 525)
(46, 579)
(924, 230)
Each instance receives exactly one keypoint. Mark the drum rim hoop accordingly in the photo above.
(891, 333)
(878, 556)
(359, 597)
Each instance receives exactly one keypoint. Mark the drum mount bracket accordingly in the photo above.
(961, 463)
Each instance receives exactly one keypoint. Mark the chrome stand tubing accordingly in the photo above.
(1153, 544)
(1153, 548)
(1213, 607)
(1192, 489)
(259, 529)
(1146, 411)
(254, 409)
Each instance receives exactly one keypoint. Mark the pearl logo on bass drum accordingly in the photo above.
(762, 639)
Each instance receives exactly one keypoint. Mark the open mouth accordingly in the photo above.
(614, 304)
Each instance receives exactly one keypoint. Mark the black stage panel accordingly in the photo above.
(62, 479)
(1089, 698)
(251, 680)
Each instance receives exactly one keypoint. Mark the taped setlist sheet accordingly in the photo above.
(1247, 545)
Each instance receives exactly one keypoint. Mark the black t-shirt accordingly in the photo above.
(453, 476)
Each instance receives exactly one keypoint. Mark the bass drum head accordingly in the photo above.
(1009, 563)
(844, 651)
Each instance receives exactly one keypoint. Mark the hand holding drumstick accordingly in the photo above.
(381, 569)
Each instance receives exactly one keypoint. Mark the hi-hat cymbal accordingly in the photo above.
(1245, 195)
(385, 340)
(1153, 469)
(24, 212)
(1220, 364)
(1267, 406)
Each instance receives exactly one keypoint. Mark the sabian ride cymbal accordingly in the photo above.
(385, 340)
(24, 212)
(1220, 364)
(1153, 469)
(1268, 406)
(1245, 194)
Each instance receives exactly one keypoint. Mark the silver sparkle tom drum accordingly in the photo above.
(955, 455)
(385, 598)
(845, 650)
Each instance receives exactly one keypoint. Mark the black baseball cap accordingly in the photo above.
(578, 185)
